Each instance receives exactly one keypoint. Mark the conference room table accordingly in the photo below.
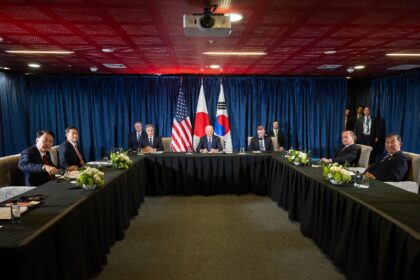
(69, 235)
(369, 233)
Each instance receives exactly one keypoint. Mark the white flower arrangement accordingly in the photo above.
(120, 160)
(90, 177)
(336, 174)
(297, 157)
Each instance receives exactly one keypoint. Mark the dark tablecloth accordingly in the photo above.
(207, 174)
(370, 233)
(69, 236)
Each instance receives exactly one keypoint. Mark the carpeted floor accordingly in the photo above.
(215, 237)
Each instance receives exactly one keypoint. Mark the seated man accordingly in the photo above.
(261, 142)
(350, 153)
(134, 139)
(35, 161)
(275, 132)
(394, 166)
(152, 142)
(209, 143)
(70, 153)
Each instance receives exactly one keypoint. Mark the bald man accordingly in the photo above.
(349, 153)
(209, 143)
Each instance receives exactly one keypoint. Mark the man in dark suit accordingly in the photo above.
(209, 143)
(349, 120)
(70, 153)
(359, 112)
(152, 142)
(366, 129)
(135, 138)
(35, 161)
(394, 166)
(275, 132)
(261, 142)
(349, 153)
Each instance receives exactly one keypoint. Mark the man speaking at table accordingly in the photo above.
(209, 143)
(35, 161)
(261, 142)
(70, 154)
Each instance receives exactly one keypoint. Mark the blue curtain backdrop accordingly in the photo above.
(104, 108)
(396, 100)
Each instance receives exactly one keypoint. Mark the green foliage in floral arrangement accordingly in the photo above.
(90, 176)
(120, 160)
(297, 157)
(337, 173)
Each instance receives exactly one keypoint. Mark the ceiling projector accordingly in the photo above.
(207, 24)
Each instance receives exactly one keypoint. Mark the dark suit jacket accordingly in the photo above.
(364, 139)
(133, 144)
(157, 143)
(68, 156)
(350, 155)
(351, 122)
(280, 137)
(31, 164)
(392, 168)
(255, 145)
(215, 143)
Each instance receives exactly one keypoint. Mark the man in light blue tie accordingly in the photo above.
(135, 138)
(261, 142)
(209, 143)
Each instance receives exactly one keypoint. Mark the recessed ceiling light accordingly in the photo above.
(214, 66)
(1, 39)
(38, 52)
(235, 17)
(235, 53)
(34, 65)
(404, 67)
(403, 54)
(348, 77)
(329, 66)
(106, 50)
(358, 67)
(330, 52)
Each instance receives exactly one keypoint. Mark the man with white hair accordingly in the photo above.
(209, 143)
(349, 153)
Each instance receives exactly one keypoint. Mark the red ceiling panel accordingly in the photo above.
(147, 36)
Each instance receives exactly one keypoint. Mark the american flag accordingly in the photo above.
(181, 127)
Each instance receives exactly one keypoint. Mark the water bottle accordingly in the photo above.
(357, 179)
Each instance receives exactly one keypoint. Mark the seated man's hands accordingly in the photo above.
(203, 151)
(370, 175)
(72, 168)
(326, 160)
(280, 149)
(50, 170)
(149, 149)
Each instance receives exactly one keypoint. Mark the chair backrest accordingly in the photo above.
(364, 155)
(249, 141)
(54, 156)
(10, 174)
(413, 167)
(166, 144)
(275, 144)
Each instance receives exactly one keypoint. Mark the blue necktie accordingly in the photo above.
(150, 141)
(209, 144)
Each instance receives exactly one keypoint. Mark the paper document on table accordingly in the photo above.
(9, 192)
(5, 213)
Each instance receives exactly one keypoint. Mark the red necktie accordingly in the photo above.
(45, 159)
(79, 155)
